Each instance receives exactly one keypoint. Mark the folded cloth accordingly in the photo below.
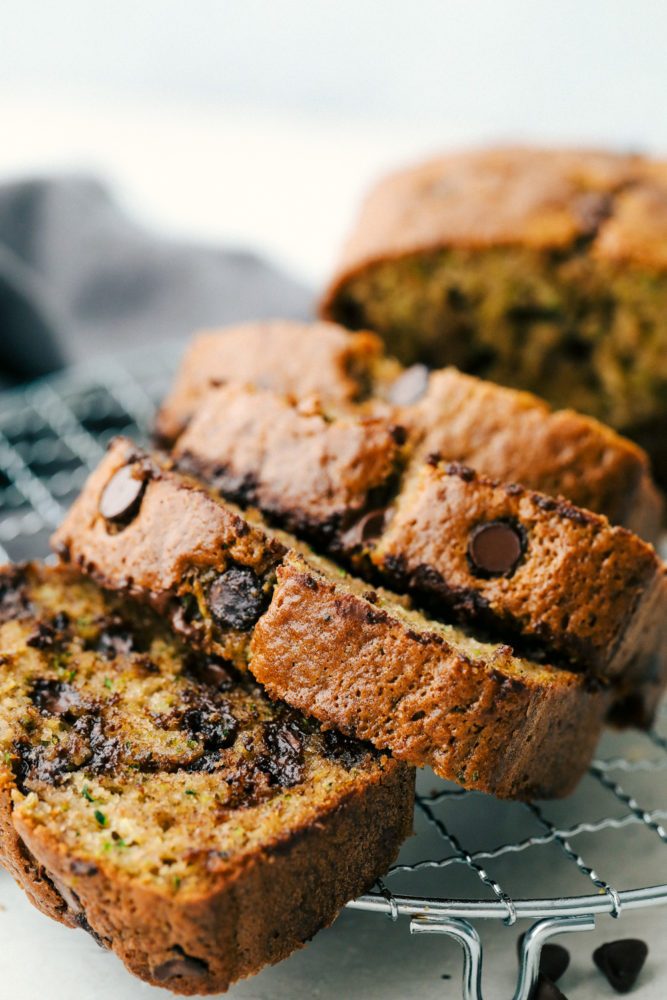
(78, 277)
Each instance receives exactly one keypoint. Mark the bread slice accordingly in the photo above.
(504, 434)
(316, 472)
(290, 357)
(156, 798)
(431, 693)
(360, 619)
(515, 437)
(540, 269)
(557, 579)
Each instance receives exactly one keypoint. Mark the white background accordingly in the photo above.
(261, 123)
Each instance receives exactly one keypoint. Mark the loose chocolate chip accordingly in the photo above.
(621, 962)
(54, 697)
(410, 386)
(495, 548)
(545, 989)
(554, 959)
(236, 599)
(122, 495)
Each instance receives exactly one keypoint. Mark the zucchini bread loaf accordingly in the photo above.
(539, 572)
(531, 727)
(505, 434)
(152, 796)
(543, 270)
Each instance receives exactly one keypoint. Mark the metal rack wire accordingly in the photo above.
(558, 864)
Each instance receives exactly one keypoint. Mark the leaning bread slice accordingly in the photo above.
(505, 434)
(536, 569)
(516, 437)
(562, 712)
(155, 798)
(559, 579)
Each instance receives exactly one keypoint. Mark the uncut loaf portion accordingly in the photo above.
(557, 580)
(504, 434)
(539, 269)
(472, 710)
(156, 798)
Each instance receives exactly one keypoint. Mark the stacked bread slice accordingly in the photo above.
(383, 488)
(359, 656)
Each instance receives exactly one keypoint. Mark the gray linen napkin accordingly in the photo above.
(78, 278)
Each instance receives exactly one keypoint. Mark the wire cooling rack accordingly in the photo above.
(559, 864)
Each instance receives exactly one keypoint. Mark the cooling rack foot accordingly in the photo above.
(469, 939)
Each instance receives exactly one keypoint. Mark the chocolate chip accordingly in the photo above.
(464, 472)
(212, 671)
(115, 640)
(545, 989)
(43, 637)
(54, 697)
(410, 386)
(621, 962)
(348, 751)
(13, 598)
(495, 548)
(399, 435)
(554, 959)
(122, 495)
(181, 966)
(367, 529)
(283, 761)
(236, 599)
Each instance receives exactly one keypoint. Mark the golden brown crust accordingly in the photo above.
(257, 449)
(24, 867)
(183, 533)
(301, 359)
(592, 592)
(505, 434)
(359, 669)
(534, 198)
(515, 437)
(256, 915)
